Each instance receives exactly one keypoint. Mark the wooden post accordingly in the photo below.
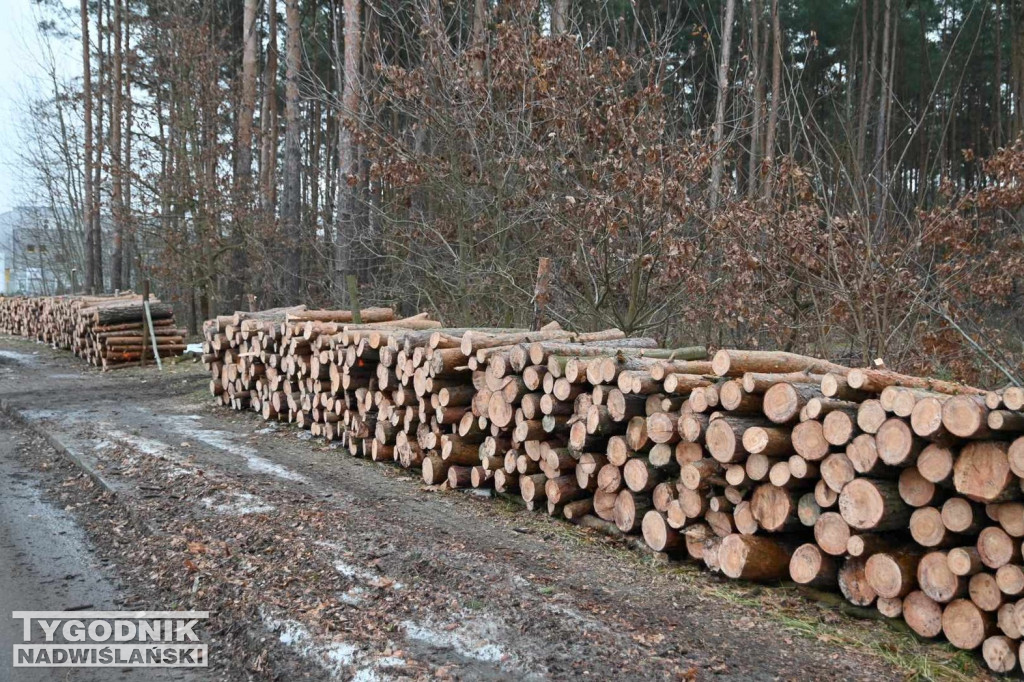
(353, 294)
(145, 302)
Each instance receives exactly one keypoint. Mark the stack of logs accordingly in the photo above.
(902, 492)
(107, 331)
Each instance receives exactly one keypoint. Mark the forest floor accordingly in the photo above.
(318, 565)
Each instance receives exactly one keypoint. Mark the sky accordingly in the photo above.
(22, 77)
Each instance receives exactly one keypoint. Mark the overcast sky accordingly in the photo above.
(22, 78)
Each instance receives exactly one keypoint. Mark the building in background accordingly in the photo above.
(40, 253)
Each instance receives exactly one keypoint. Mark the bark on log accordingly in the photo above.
(754, 557)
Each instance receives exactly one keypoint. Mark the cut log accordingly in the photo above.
(832, 533)
(890, 608)
(871, 504)
(808, 510)
(923, 614)
(1000, 653)
(630, 509)
(810, 566)
(896, 443)
(876, 380)
(966, 416)
(837, 470)
(659, 536)
(782, 402)
(927, 529)
(724, 437)
(737, 362)
(774, 508)
(996, 548)
(935, 463)
(853, 582)
(1015, 453)
(1010, 580)
(574, 511)
(840, 426)
(916, 490)
(754, 557)
(982, 472)
(870, 416)
(892, 574)
(769, 441)
(809, 441)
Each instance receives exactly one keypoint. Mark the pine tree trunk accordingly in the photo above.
(758, 54)
(878, 170)
(718, 165)
(243, 157)
(97, 169)
(345, 237)
(268, 117)
(87, 203)
(773, 113)
(116, 166)
(291, 209)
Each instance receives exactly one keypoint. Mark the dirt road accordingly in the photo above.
(317, 564)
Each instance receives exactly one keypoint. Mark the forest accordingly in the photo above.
(839, 178)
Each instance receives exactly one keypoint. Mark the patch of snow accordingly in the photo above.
(144, 445)
(354, 572)
(372, 673)
(354, 596)
(363, 575)
(239, 505)
(472, 638)
(225, 440)
(334, 656)
(23, 358)
(341, 653)
(35, 415)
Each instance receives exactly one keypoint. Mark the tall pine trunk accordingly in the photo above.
(345, 213)
(878, 167)
(97, 170)
(117, 168)
(268, 118)
(757, 60)
(238, 278)
(291, 209)
(87, 199)
(718, 165)
(773, 112)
